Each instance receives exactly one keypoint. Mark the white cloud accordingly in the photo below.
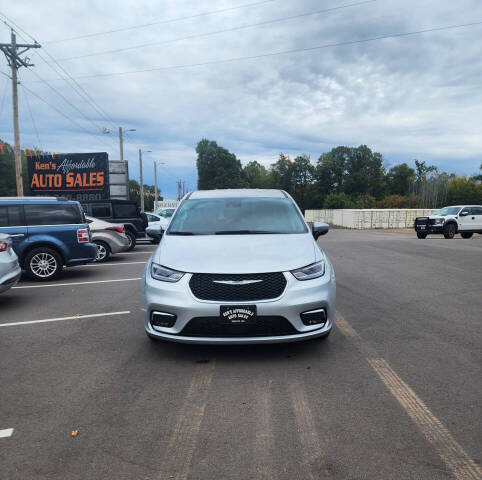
(412, 97)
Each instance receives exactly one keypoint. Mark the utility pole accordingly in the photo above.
(15, 62)
(141, 180)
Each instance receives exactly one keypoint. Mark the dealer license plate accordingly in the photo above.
(237, 314)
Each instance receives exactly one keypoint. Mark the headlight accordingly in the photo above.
(165, 274)
(309, 272)
(439, 220)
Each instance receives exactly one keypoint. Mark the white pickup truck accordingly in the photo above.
(463, 219)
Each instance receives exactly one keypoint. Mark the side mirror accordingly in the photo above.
(319, 228)
(463, 214)
(155, 232)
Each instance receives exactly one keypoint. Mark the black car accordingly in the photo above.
(120, 211)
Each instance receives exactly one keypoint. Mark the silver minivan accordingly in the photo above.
(239, 266)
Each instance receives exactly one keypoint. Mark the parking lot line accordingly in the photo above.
(449, 450)
(59, 319)
(79, 283)
(110, 264)
(135, 253)
(7, 432)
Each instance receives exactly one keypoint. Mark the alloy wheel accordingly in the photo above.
(101, 252)
(43, 265)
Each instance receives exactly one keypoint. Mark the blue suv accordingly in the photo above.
(48, 233)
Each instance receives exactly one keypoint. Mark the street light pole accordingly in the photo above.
(121, 145)
(156, 193)
(155, 185)
(141, 180)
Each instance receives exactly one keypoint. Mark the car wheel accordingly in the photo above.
(466, 234)
(103, 251)
(43, 264)
(132, 240)
(449, 231)
(421, 235)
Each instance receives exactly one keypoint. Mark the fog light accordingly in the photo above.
(162, 319)
(314, 317)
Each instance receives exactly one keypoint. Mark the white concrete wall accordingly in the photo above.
(168, 204)
(368, 218)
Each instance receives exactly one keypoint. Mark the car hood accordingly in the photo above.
(237, 253)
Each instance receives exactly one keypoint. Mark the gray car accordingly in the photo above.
(9, 268)
(238, 266)
(109, 238)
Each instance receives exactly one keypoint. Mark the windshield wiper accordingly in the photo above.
(184, 233)
(242, 232)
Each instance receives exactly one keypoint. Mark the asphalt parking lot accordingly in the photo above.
(394, 393)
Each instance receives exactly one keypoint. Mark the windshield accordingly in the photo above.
(448, 211)
(230, 216)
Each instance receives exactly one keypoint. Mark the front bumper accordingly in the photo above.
(10, 279)
(429, 228)
(299, 296)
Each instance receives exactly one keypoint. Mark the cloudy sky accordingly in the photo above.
(163, 69)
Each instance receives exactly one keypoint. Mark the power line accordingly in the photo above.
(216, 32)
(45, 82)
(85, 95)
(60, 112)
(4, 94)
(31, 116)
(162, 22)
(282, 52)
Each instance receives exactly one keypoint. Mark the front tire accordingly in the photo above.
(466, 234)
(421, 235)
(449, 231)
(43, 264)
(132, 240)
(103, 251)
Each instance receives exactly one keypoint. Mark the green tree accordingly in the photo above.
(331, 170)
(423, 170)
(337, 200)
(255, 175)
(399, 178)
(302, 171)
(281, 172)
(7, 173)
(365, 174)
(217, 167)
(462, 190)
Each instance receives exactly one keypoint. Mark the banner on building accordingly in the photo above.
(76, 176)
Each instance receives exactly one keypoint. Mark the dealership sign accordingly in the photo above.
(77, 176)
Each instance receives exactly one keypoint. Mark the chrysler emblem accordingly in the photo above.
(237, 282)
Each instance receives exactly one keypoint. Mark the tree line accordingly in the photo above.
(344, 177)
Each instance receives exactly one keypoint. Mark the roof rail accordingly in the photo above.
(12, 199)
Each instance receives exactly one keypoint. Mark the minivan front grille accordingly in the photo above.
(237, 287)
(265, 326)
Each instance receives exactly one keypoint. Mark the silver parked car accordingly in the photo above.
(239, 266)
(10, 270)
(109, 238)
